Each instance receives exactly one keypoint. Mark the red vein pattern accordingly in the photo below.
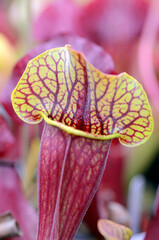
(113, 231)
(67, 91)
(70, 170)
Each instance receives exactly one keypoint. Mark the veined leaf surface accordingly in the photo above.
(62, 87)
(113, 231)
(70, 170)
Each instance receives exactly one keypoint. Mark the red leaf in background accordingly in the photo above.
(13, 200)
(59, 17)
(100, 20)
(92, 52)
(10, 140)
(7, 140)
(115, 25)
(153, 227)
(70, 169)
(146, 53)
(113, 21)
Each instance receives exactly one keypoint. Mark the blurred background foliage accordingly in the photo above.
(129, 31)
